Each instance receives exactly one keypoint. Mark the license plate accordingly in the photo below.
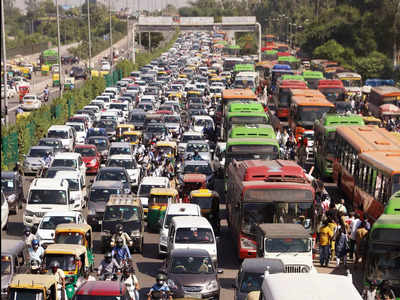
(193, 295)
(28, 102)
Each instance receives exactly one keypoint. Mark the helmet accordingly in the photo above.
(119, 227)
(161, 278)
(27, 229)
(120, 241)
(54, 264)
(108, 255)
(35, 242)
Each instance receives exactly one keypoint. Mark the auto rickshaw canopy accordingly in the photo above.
(203, 193)
(33, 281)
(76, 228)
(163, 192)
(370, 120)
(68, 249)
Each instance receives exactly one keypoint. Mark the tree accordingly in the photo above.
(375, 65)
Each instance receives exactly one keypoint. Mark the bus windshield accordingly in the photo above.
(243, 152)
(248, 120)
(396, 183)
(351, 82)
(311, 113)
(333, 94)
(384, 266)
(26, 294)
(283, 98)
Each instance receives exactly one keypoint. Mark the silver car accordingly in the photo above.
(34, 160)
(202, 147)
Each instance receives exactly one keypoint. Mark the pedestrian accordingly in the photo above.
(353, 229)
(340, 207)
(325, 236)
(341, 246)
(371, 292)
(361, 241)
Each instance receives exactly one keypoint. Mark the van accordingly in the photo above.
(174, 210)
(64, 133)
(45, 194)
(13, 259)
(145, 187)
(192, 232)
(305, 287)
(77, 188)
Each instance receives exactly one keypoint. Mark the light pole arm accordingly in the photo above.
(259, 41)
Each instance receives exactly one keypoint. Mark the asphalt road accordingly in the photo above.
(148, 263)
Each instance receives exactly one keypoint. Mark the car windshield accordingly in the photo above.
(121, 213)
(26, 294)
(5, 265)
(49, 143)
(138, 118)
(188, 137)
(119, 150)
(124, 163)
(113, 175)
(59, 162)
(197, 147)
(37, 152)
(203, 202)
(53, 197)
(101, 144)
(74, 238)
(287, 245)
(194, 235)
(144, 190)
(52, 222)
(159, 129)
(199, 169)
(66, 261)
(7, 184)
(251, 282)
(78, 127)
(172, 119)
(85, 152)
(102, 195)
(192, 265)
(119, 106)
(59, 134)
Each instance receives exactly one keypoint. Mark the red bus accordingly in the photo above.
(282, 96)
(333, 89)
(272, 191)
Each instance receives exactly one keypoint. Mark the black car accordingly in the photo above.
(109, 125)
(115, 174)
(102, 144)
(157, 130)
(78, 73)
(11, 186)
(137, 118)
(52, 142)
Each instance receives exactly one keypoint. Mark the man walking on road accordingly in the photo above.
(325, 236)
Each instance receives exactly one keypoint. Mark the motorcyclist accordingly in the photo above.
(46, 93)
(108, 265)
(120, 251)
(36, 252)
(131, 282)
(60, 278)
(29, 237)
(120, 233)
(160, 286)
(47, 159)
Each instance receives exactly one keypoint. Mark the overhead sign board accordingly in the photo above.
(239, 20)
(196, 20)
(155, 20)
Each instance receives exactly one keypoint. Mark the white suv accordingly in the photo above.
(70, 159)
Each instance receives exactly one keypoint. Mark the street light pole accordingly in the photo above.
(90, 40)
(59, 50)
(111, 51)
(3, 33)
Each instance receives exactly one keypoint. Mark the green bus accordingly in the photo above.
(383, 253)
(252, 131)
(244, 117)
(393, 206)
(324, 139)
(292, 77)
(312, 78)
(292, 61)
(245, 106)
(243, 68)
(49, 57)
(251, 148)
(270, 54)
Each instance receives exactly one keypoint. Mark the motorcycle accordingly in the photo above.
(160, 295)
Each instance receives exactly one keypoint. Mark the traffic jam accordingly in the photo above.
(209, 175)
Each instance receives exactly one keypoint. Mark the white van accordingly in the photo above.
(145, 187)
(80, 131)
(64, 133)
(77, 188)
(192, 232)
(174, 210)
(45, 194)
(283, 286)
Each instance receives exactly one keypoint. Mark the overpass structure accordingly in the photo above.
(165, 23)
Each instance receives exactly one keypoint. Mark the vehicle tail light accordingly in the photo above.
(246, 243)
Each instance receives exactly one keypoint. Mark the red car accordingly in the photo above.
(102, 290)
(90, 156)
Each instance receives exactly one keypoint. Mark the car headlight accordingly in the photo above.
(135, 233)
(172, 284)
(212, 285)
(93, 162)
(305, 269)
(29, 213)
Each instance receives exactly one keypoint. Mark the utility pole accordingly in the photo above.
(59, 50)
(3, 34)
(111, 50)
(90, 40)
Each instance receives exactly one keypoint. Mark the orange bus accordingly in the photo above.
(382, 95)
(306, 106)
(377, 178)
(350, 142)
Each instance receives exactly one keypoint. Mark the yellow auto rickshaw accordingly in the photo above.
(182, 75)
(193, 94)
(45, 69)
(33, 286)
(133, 137)
(168, 148)
(23, 115)
(76, 234)
(175, 96)
(370, 120)
(73, 261)
(159, 199)
(56, 79)
(95, 73)
(122, 128)
(103, 73)
(208, 201)
(69, 83)
(26, 73)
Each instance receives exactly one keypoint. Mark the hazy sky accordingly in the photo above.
(118, 4)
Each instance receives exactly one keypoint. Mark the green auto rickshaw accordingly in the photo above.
(56, 79)
(158, 202)
(45, 69)
(69, 83)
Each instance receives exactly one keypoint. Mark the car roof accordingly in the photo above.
(196, 163)
(183, 209)
(189, 252)
(191, 221)
(106, 184)
(120, 156)
(62, 212)
(67, 155)
(101, 288)
(120, 144)
(154, 180)
(260, 265)
(42, 147)
(68, 174)
(59, 127)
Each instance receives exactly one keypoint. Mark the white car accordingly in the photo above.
(77, 188)
(31, 102)
(105, 66)
(47, 226)
(129, 163)
(11, 92)
(70, 159)
(4, 211)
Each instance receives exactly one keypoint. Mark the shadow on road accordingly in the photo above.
(226, 246)
(149, 268)
(150, 250)
(226, 283)
(15, 228)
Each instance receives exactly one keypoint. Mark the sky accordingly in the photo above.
(118, 4)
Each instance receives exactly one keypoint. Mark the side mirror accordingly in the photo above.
(220, 271)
